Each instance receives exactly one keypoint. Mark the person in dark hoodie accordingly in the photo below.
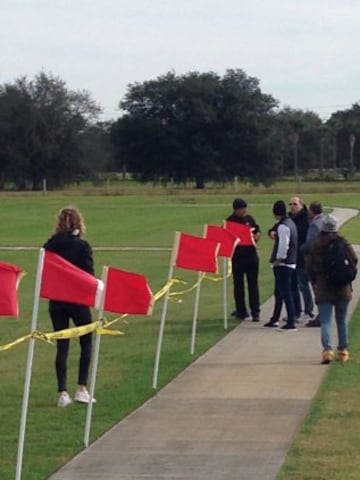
(301, 283)
(67, 243)
(283, 260)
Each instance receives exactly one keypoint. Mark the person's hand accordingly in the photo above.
(256, 236)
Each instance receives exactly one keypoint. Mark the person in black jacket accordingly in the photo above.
(300, 281)
(245, 262)
(283, 260)
(67, 243)
(300, 215)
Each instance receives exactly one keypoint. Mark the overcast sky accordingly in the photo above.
(304, 52)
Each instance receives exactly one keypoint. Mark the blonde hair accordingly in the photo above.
(69, 219)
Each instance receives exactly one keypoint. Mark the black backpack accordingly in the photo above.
(339, 269)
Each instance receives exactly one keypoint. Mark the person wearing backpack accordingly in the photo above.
(331, 265)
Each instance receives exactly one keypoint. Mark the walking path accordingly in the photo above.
(231, 415)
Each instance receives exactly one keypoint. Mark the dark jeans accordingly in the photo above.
(283, 293)
(304, 287)
(248, 268)
(295, 288)
(60, 314)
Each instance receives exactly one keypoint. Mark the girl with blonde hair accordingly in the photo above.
(68, 243)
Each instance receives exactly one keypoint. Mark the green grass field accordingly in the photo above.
(124, 379)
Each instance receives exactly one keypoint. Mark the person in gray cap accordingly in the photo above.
(245, 262)
(331, 296)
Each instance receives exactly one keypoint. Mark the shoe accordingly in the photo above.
(306, 317)
(327, 357)
(271, 324)
(343, 355)
(255, 319)
(83, 396)
(287, 328)
(64, 400)
(314, 323)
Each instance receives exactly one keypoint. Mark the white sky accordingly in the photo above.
(304, 52)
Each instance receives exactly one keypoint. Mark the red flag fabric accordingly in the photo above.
(243, 232)
(195, 253)
(10, 276)
(227, 239)
(127, 292)
(64, 282)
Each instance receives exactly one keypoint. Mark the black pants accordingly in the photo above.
(60, 314)
(249, 268)
(296, 295)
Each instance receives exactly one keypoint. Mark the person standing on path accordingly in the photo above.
(316, 217)
(67, 243)
(327, 296)
(300, 281)
(301, 284)
(245, 262)
(283, 261)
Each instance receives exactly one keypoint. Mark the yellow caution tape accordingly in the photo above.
(67, 333)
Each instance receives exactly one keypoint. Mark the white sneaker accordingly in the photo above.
(83, 396)
(64, 400)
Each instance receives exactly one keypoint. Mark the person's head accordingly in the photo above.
(296, 204)
(279, 209)
(69, 219)
(315, 209)
(239, 206)
(329, 224)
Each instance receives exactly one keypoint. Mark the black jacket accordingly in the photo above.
(74, 249)
(301, 220)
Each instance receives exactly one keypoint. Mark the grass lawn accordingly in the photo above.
(124, 379)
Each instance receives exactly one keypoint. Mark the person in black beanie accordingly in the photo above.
(283, 259)
(245, 262)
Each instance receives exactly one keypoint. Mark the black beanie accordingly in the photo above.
(279, 208)
(239, 203)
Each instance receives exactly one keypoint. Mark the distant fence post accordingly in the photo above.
(44, 185)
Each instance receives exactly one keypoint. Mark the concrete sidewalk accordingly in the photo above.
(231, 415)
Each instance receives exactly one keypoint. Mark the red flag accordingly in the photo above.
(127, 292)
(64, 282)
(195, 253)
(243, 232)
(227, 240)
(10, 276)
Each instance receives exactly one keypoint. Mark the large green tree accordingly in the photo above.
(195, 126)
(344, 126)
(41, 124)
(298, 136)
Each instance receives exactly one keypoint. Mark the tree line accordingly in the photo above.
(176, 128)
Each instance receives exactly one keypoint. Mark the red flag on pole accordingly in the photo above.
(243, 232)
(10, 276)
(228, 241)
(127, 292)
(195, 253)
(64, 282)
